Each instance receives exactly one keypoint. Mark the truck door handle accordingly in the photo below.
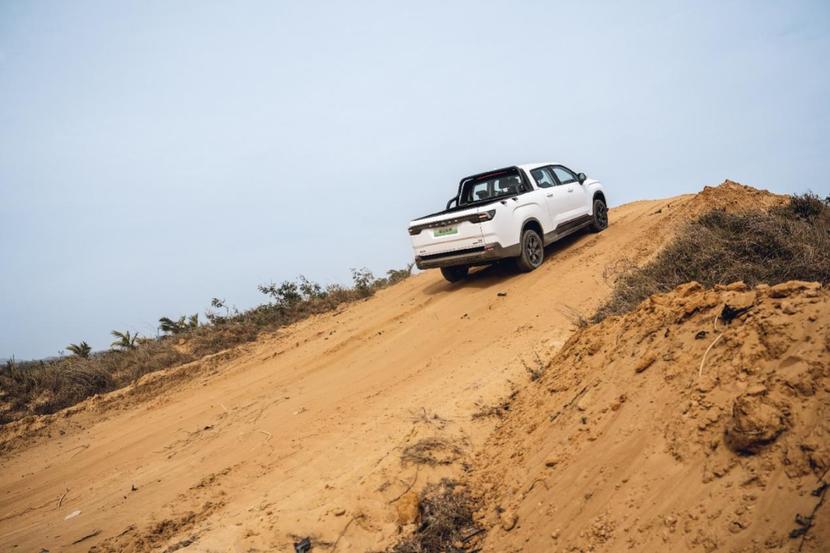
(549, 195)
(570, 190)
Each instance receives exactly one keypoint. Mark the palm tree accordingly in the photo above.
(166, 324)
(125, 340)
(81, 350)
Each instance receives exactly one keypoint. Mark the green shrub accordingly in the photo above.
(364, 281)
(393, 276)
(286, 295)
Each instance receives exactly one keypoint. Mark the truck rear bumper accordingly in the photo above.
(481, 255)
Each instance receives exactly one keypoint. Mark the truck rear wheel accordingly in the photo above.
(533, 251)
(454, 274)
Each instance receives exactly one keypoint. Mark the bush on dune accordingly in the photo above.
(446, 512)
(791, 242)
(46, 386)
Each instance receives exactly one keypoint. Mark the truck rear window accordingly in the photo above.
(489, 186)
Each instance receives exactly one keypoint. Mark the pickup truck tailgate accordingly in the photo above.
(445, 235)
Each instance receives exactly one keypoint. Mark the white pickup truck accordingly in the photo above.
(508, 213)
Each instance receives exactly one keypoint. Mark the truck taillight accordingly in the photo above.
(486, 215)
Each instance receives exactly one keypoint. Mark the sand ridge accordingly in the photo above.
(304, 433)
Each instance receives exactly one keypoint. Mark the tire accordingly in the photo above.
(600, 221)
(533, 251)
(454, 274)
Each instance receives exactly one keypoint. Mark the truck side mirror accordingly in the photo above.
(581, 178)
(449, 203)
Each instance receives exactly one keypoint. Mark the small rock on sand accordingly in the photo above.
(407, 507)
(508, 520)
(754, 423)
(785, 289)
(740, 301)
(645, 362)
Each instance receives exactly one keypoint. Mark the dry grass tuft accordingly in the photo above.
(428, 418)
(43, 387)
(574, 316)
(791, 242)
(431, 451)
(446, 521)
(498, 410)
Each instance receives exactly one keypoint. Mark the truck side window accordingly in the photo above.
(564, 175)
(481, 191)
(543, 177)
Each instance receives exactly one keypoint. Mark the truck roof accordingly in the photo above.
(523, 166)
(531, 166)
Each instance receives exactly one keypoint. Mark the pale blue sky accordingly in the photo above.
(156, 154)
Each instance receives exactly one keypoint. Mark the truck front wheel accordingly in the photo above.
(600, 221)
(454, 274)
(533, 251)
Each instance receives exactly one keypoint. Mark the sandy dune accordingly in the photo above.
(302, 433)
(636, 440)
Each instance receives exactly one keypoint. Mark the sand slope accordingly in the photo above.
(632, 441)
(302, 433)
